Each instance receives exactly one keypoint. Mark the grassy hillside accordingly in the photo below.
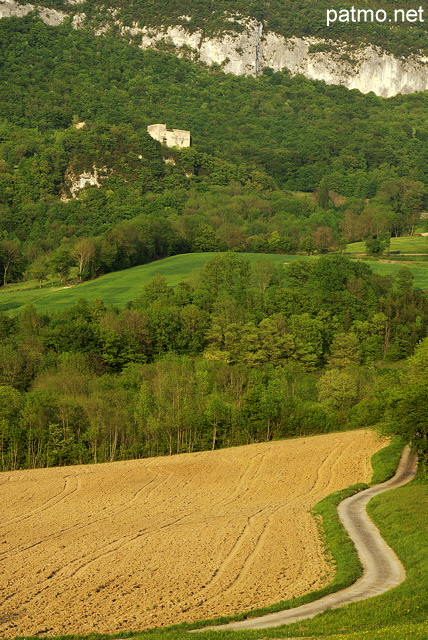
(114, 288)
(120, 287)
(406, 244)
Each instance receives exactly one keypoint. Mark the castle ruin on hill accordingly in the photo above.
(170, 137)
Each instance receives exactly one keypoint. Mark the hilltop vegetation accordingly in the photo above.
(286, 17)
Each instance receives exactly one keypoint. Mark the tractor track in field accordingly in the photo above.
(132, 545)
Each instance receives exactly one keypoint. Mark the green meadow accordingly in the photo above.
(399, 614)
(405, 244)
(121, 286)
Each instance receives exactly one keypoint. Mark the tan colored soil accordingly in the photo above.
(144, 543)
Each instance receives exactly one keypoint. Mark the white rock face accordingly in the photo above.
(170, 137)
(9, 8)
(246, 53)
(51, 17)
(91, 178)
(370, 69)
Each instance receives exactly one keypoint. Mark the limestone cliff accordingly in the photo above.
(246, 53)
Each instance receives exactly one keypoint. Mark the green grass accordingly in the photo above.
(407, 244)
(419, 270)
(400, 614)
(121, 286)
(114, 288)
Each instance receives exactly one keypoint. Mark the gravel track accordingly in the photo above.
(382, 570)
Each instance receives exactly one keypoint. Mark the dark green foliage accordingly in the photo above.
(228, 116)
(374, 246)
(323, 194)
(404, 280)
(236, 354)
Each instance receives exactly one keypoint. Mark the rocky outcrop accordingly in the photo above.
(91, 178)
(246, 53)
(10, 8)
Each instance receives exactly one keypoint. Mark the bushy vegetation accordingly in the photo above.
(238, 335)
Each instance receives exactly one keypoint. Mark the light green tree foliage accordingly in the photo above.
(11, 403)
(407, 416)
(308, 341)
(407, 199)
(407, 412)
(228, 272)
(82, 253)
(338, 390)
(39, 270)
(263, 407)
(10, 254)
(374, 336)
(60, 263)
(344, 351)
(376, 388)
(404, 280)
(417, 371)
(298, 272)
(11, 365)
(276, 342)
(262, 273)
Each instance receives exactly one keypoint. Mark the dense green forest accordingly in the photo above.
(287, 17)
(243, 354)
(257, 145)
(237, 353)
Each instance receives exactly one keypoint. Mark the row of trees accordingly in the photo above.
(174, 405)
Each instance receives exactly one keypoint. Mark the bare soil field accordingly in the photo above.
(145, 543)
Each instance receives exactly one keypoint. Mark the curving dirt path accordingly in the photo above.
(382, 569)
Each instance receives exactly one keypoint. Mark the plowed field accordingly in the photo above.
(143, 543)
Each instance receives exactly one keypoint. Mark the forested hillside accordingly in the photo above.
(77, 105)
(235, 354)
